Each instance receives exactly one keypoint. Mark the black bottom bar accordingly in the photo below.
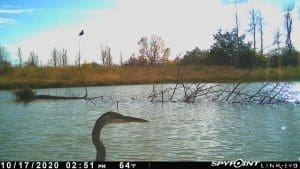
(147, 165)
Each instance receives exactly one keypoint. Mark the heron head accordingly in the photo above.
(113, 117)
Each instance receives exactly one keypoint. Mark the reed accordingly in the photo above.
(96, 75)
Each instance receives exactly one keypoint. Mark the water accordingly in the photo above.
(61, 130)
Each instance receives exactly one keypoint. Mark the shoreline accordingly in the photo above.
(33, 86)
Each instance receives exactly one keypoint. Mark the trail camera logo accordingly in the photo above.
(236, 164)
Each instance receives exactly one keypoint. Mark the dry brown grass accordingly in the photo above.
(95, 75)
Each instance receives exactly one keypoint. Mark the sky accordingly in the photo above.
(40, 26)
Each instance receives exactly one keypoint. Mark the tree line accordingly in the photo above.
(231, 49)
(152, 51)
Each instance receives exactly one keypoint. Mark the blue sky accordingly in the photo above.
(27, 17)
(41, 25)
(278, 3)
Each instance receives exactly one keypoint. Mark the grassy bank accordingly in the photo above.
(95, 75)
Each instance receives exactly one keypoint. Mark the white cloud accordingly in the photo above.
(9, 11)
(4, 21)
(183, 24)
(15, 11)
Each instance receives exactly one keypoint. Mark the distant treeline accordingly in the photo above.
(225, 51)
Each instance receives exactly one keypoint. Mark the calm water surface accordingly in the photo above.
(61, 130)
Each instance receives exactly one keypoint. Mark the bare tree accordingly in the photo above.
(153, 51)
(64, 57)
(288, 25)
(3, 55)
(33, 59)
(106, 56)
(121, 59)
(253, 25)
(144, 47)
(277, 39)
(165, 57)
(109, 57)
(156, 49)
(237, 27)
(54, 56)
(261, 31)
(103, 55)
(19, 55)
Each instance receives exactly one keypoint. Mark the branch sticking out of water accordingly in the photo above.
(233, 93)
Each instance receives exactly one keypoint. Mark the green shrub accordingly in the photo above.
(283, 58)
(196, 56)
(289, 57)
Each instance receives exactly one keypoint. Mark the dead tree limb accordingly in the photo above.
(233, 93)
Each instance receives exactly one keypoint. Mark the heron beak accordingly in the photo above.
(128, 119)
(134, 119)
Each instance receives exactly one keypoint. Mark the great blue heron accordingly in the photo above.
(108, 118)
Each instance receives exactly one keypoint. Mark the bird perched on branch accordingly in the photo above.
(81, 33)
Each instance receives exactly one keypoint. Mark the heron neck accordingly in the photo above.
(101, 154)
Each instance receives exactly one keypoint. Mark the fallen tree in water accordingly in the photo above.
(25, 93)
(233, 93)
